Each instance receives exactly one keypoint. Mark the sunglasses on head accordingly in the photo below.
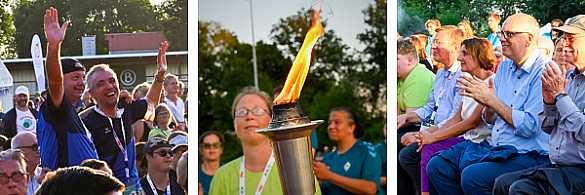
(34, 147)
(163, 153)
(209, 145)
(157, 142)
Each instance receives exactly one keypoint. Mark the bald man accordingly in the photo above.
(546, 46)
(512, 102)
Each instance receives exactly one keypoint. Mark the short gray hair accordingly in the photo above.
(12, 154)
(16, 141)
(99, 68)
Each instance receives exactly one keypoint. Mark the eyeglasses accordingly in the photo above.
(163, 153)
(16, 177)
(209, 145)
(439, 42)
(571, 39)
(255, 111)
(34, 147)
(507, 34)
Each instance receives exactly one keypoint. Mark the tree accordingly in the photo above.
(85, 18)
(173, 15)
(6, 32)
(372, 77)
(546, 10)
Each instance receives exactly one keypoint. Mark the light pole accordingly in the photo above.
(254, 48)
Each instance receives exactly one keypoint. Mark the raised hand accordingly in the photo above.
(161, 60)
(553, 81)
(53, 32)
(475, 88)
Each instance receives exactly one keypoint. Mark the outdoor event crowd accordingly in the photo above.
(353, 166)
(71, 140)
(495, 115)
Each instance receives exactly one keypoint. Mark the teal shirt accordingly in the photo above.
(381, 148)
(205, 180)
(361, 161)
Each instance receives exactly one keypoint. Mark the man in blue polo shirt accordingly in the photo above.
(512, 103)
(63, 140)
(110, 121)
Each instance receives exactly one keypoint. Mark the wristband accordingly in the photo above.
(558, 97)
(158, 80)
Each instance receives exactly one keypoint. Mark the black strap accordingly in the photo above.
(114, 158)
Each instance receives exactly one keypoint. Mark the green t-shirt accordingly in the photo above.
(414, 92)
(157, 131)
(226, 181)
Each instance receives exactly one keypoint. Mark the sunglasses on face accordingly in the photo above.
(34, 147)
(163, 153)
(255, 111)
(16, 177)
(209, 145)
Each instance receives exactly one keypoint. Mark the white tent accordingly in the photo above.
(5, 88)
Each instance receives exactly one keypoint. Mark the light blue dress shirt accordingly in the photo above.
(521, 90)
(444, 95)
(565, 122)
(494, 40)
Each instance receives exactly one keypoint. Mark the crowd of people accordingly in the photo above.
(496, 115)
(70, 140)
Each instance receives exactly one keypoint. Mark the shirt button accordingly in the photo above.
(518, 77)
(514, 91)
(497, 144)
(498, 130)
(557, 148)
(511, 105)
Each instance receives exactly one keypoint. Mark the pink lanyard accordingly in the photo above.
(154, 188)
(265, 174)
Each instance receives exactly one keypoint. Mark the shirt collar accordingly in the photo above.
(455, 67)
(530, 61)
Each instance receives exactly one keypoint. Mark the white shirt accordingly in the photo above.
(25, 121)
(482, 131)
(33, 185)
(177, 109)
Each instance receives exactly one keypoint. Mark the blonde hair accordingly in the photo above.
(467, 26)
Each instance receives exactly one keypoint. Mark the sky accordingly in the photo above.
(345, 17)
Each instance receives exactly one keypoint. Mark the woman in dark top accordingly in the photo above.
(420, 51)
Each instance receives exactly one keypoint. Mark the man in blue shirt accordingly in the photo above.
(443, 102)
(512, 102)
(563, 118)
(494, 24)
(110, 122)
(63, 141)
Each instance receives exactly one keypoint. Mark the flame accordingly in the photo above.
(298, 72)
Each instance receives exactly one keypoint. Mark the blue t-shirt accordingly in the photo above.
(314, 141)
(101, 131)
(361, 161)
(62, 140)
(205, 180)
(381, 148)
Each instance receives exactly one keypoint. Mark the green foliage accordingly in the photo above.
(6, 32)
(174, 16)
(85, 18)
(547, 10)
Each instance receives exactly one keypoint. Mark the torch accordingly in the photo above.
(290, 130)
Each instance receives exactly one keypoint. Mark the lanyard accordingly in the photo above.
(445, 80)
(262, 180)
(154, 188)
(163, 131)
(119, 113)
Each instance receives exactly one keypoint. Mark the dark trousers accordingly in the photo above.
(406, 185)
(445, 177)
(542, 179)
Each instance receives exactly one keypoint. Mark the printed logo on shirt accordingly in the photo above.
(107, 130)
(347, 166)
(26, 123)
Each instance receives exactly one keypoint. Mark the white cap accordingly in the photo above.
(21, 90)
(180, 140)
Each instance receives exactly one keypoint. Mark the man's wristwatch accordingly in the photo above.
(559, 97)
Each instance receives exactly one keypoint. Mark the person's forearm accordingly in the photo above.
(383, 180)
(502, 110)
(54, 73)
(412, 117)
(489, 115)
(356, 186)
